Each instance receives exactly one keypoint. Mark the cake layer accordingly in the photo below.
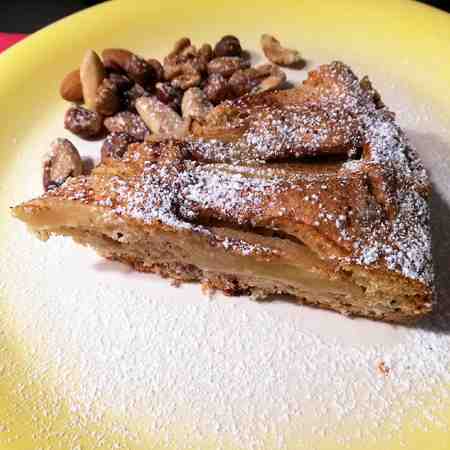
(313, 192)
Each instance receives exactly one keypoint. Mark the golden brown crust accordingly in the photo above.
(363, 212)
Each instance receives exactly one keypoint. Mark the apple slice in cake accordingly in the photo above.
(313, 192)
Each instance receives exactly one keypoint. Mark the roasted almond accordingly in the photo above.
(83, 122)
(63, 161)
(107, 101)
(129, 123)
(116, 58)
(160, 118)
(92, 73)
(135, 67)
(70, 88)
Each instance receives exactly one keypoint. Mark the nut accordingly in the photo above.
(160, 118)
(83, 122)
(243, 81)
(122, 82)
(217, 89)
(135, 67)
(92, 74)
(115, 145)
(63, 161)
(205, 53)
(158, 70)
(228, 46)
(277, 54)
(169, 94)
(187, 79)
(115, 59)
(107, 101)
(183, 59)
(181, 44)
(130, 96)
(188, 52)
(195, 103)
(129, 123)
(139, 70)
(70, 88)
(227, 65)
(88, 165)
(273, 78)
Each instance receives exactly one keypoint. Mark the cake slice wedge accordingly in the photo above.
(313, 192)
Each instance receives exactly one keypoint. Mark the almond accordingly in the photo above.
(137, 68)
(92, 73)
(160, 118)
(107, 101)
(70, 88)
(62, 162)
(129, 123)
(116, 58)
(83, 122)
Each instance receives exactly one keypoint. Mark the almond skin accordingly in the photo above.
(62, 162)
(116, 58)
(136, 68)
(92, 73)
(70, 88)
(160, 118)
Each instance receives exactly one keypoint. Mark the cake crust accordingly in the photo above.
(318, 180)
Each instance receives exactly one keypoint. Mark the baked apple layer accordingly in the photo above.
(233, 261)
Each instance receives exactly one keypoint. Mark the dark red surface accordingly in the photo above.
(8, 39)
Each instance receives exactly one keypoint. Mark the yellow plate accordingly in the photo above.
(404, 46)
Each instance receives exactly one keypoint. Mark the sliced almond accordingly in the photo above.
(160, 118)
(92, 73)
(70, 88)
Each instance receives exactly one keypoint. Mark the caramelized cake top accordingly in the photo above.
(324, 162)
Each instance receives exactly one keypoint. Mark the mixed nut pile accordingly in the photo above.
(131, 99)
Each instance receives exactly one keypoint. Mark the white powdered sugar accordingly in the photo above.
(224, 371)
(144, 364)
